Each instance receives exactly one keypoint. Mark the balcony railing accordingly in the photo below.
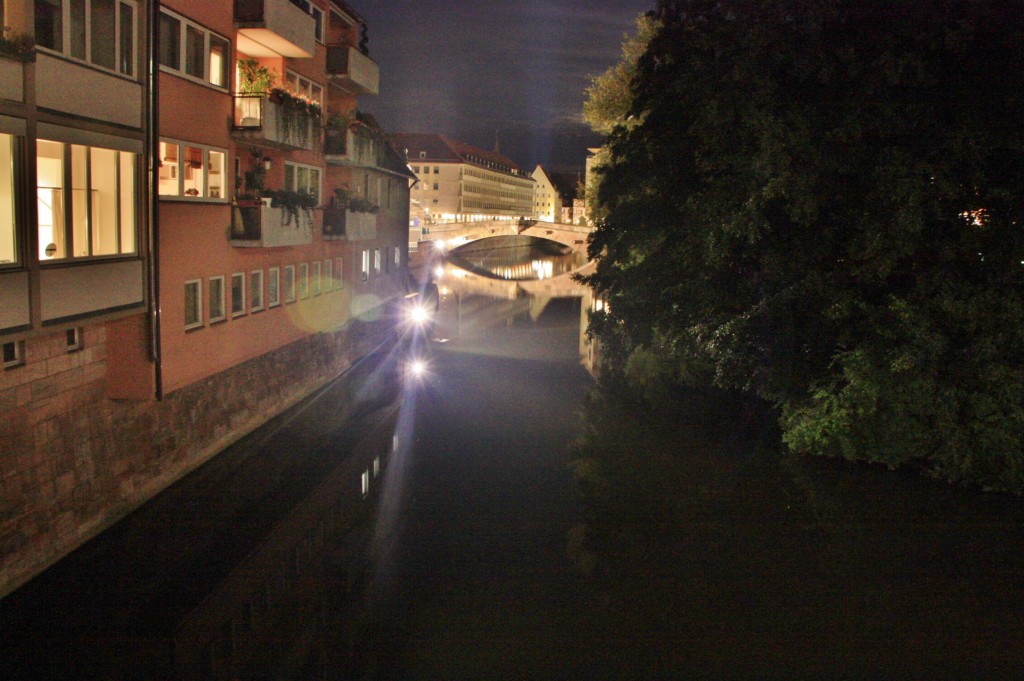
(353, 71)
(260, 117)
(255, 223)
(275, 27)
(360, 226)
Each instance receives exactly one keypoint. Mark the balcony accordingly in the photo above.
(352, 71)
(360, 226)
(348, 147)
(254, 223)
(275, 28)
(276, 123)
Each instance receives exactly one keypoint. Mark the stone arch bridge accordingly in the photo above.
(456, 234)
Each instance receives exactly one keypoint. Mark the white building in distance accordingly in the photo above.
(462, 183)
(547, 205)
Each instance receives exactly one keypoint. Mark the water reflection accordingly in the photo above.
(508, 284)
(512, 259)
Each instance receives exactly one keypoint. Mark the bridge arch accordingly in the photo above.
(457, 234)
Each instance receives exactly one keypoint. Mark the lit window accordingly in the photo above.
(376, 261)
(273, 287)
(256, 290)
(364, 483)
(8, 231)
(217, 299)
(97, 216)
(220, 63)
(194, 53)
(238, 294)
(100, 32)
(316, 278)
(193, 304)
(191, 171)
(364, 270)
(289, 284)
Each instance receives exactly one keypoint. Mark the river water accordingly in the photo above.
(487, 520)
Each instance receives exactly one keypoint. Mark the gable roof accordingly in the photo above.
(439, 149)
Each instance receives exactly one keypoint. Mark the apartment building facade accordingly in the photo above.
(462, 183)
(198, 249)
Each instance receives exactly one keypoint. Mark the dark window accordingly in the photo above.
(127, 39)
(170, 41)
(104, 37)
(49, 29)
(195, 57)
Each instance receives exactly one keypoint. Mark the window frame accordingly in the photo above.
(238, 310)
(182, 55)
(17, 354)
(66, 38)
(68, 230)
(179, 170)
(303, 85)
(339, 273)
(199, 323)
(302, 281)
(314, 285)
(221, 299)
(73, 339)
(320, 26)
(289, 284)
(256, 291)
(17, 235)
(292, 185)
(273, 287)
(328, 274)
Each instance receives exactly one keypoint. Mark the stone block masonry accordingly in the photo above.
(73, 461)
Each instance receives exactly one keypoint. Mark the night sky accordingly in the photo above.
(468, 68)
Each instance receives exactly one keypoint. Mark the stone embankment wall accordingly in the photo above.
(73, 461)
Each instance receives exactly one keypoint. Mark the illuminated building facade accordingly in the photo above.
(183, 268)
(461, 183)
(547, 205)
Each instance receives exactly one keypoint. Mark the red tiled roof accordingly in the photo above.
(431, 147)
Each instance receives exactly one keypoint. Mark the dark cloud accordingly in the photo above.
(476, 69)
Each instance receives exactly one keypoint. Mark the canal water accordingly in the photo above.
(494, 518)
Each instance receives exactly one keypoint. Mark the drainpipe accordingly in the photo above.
(153, 191)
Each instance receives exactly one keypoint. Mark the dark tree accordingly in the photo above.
(822, 205)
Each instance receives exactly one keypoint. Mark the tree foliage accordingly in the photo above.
(610, 94)
(821, 203)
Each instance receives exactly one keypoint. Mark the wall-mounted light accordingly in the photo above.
(267, 164)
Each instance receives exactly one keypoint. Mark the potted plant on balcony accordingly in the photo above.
(292, 202)
(254, 78)
(297, 117)
(18, 46)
